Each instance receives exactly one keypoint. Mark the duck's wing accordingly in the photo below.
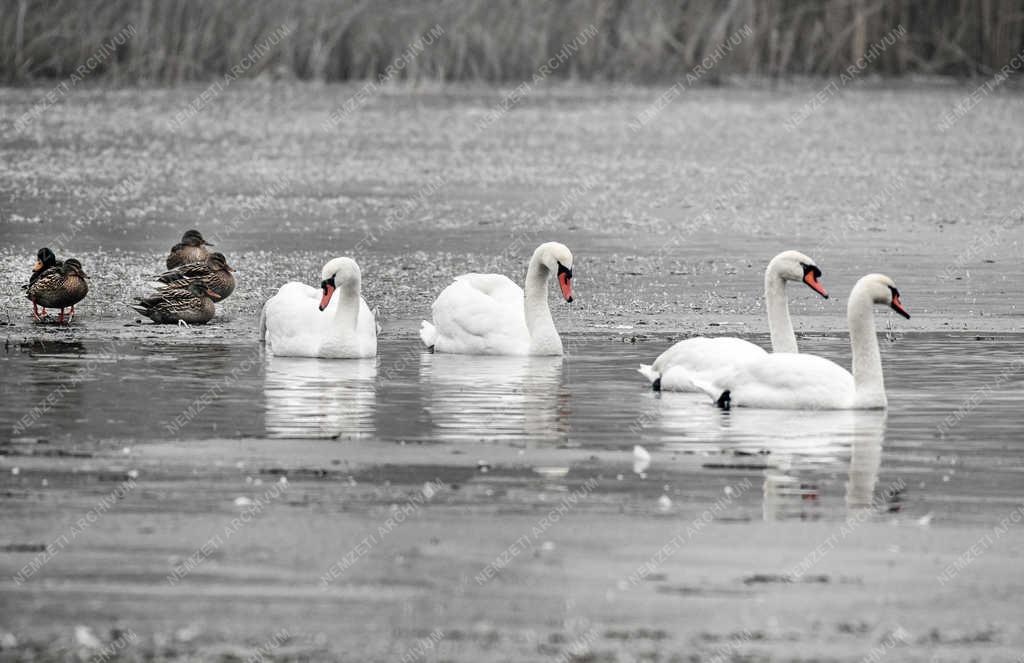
(37, 274)
(51, 278)
(167, 297)
(192, 270)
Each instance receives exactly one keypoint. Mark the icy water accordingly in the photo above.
(438, 508)
(79, 398)
(493, 507)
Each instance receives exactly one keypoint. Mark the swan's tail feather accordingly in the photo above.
(652, 375)
(428, 333)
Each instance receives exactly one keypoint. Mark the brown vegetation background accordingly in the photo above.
(638, 42)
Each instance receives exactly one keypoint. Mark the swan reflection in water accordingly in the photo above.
(517, 399)
(320, 398)
(797, 446)
(861, 432)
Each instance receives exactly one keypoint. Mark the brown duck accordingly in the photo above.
(214, 273)
(191, 248)
(45, 259)
(191, 303)
(61, 286)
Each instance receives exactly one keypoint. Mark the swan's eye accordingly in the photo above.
(562, 269)
(327, 283)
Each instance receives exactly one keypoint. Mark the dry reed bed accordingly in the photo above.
(182, 40)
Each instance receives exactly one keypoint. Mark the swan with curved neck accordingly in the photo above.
(488, 314)
(332, 322)
(693, 360)
(802, 381)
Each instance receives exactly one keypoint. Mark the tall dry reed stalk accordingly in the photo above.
(641, 41)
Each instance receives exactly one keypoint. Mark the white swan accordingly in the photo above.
(342, 328)
(488, 314)
(809, 382)
(694, 358)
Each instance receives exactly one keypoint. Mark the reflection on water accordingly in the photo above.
(502, 399)
(85, 398)
(57, 391)
(865, 459)
(313, 398)
(792, 447)
(791, 490)
(818, 435)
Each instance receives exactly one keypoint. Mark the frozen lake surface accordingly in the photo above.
(367, 506)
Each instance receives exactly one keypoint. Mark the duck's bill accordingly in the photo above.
(811, 279)
(897, 306)
(326, 298)
(36, 267)
(565, 283)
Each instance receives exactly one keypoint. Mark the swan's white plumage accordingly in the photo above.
(479, 314)
(488, 314)
(293, 325)
(809, 382)
(786, 381)
(693, 362)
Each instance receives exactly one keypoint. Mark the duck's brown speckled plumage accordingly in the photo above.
(214, 273)
(59, 286)
(171, 304)
(191, 248)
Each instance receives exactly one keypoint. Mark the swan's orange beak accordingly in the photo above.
(565, 282)
(897, 306)
(811, 279)
(326, 299)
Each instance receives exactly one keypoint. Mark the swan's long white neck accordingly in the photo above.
(867, 359)
(544, 338)
(779, 324)
(347, 314)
